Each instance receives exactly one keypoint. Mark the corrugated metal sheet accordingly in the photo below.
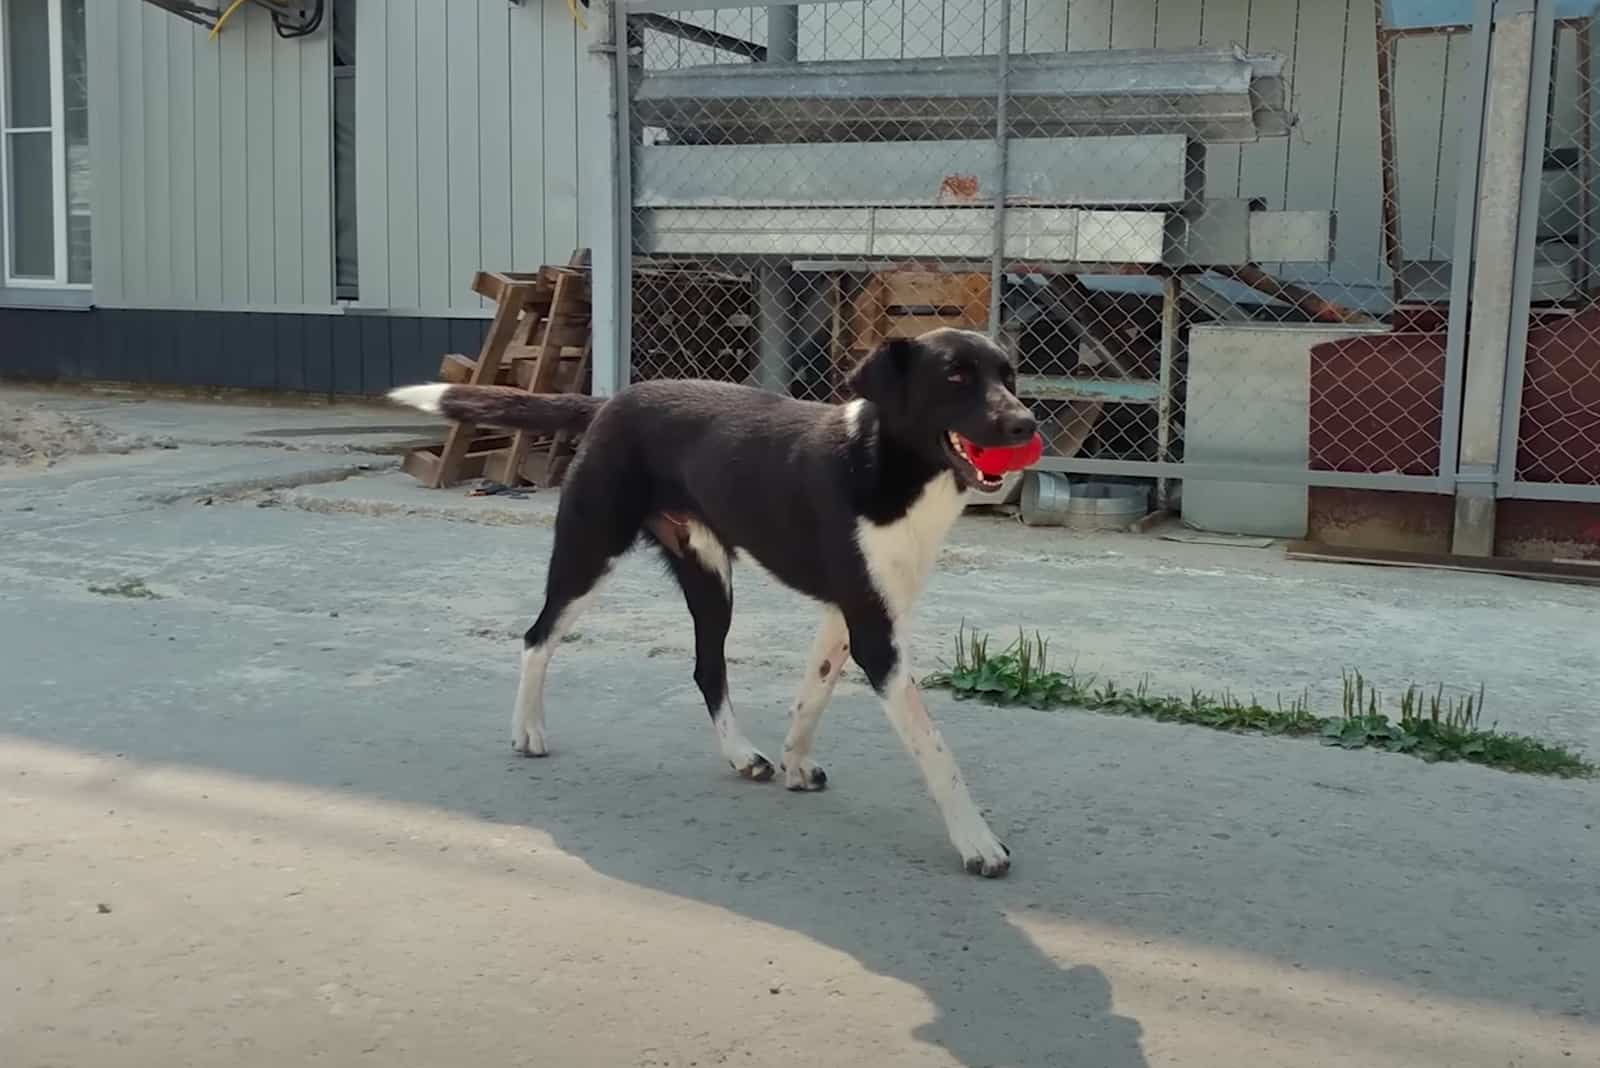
(1329, 164)
(212, 162)
(477, 144)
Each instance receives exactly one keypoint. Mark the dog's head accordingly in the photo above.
(943, 393)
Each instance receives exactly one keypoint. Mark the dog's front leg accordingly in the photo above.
(823, 668)
(880, 656)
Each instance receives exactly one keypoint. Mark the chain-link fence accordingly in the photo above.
(1218, 237)
(1553, 416)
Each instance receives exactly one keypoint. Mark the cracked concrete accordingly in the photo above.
(270, 816)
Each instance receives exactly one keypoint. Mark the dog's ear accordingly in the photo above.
(881, 377)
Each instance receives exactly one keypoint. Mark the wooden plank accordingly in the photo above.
(569, 332)
(435, 167)
(543, 376)
(457, 369)
(426, 465)
(372, 152)
(561, 446)
(936, 289)
(508, 318)
(1578, 574)
(523, 372)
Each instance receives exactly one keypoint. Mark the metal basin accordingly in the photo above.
(1051, 500)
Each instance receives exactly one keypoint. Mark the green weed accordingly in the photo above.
(1432, 726)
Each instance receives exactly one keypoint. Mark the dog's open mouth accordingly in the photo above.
(964, 456)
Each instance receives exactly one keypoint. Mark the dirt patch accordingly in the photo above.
(36, 435)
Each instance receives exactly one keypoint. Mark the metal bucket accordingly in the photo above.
(1050, 500)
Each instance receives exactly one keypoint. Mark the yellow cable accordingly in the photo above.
(228, 14)
(577, 16)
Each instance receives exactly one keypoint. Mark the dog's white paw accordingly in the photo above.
(804, 776)
(982, 853)
(753, 766)
(529, 741)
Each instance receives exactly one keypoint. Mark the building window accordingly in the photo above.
(44, 143)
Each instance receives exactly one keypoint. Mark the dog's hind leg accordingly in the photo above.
(584, 552)
(878, 649)
(703, 570)
(829, 650)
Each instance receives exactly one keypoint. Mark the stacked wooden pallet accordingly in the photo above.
(541, 340)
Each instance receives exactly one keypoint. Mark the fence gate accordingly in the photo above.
(1550, 434)
(1218, 238)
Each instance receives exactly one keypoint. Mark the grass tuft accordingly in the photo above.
(1433, 726)
(133, 588)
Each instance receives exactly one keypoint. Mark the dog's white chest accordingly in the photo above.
(900, 555)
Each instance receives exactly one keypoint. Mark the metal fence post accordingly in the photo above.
(1527, 243)
(1002, 151)
(1507, 103)
(608, 222)
(1464, 243)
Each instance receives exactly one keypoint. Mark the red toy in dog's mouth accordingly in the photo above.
(989, 463)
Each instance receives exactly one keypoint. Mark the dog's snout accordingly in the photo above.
(1018, 426)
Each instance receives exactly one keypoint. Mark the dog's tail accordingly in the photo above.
(502, 406)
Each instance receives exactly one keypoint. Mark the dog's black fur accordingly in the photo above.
(788, 482)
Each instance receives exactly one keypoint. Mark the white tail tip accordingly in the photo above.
(423, 398)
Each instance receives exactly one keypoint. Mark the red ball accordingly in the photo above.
(1000, 459)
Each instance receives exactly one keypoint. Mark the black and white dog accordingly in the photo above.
(845, 503)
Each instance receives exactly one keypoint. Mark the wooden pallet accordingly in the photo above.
(540, 340)
(898, 303)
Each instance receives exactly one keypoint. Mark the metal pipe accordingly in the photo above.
(619, 369)
(701, 36)
(1002, 150)
(1393, 253)
(783, 34)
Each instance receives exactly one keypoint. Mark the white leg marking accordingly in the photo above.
(737, 750)
(711, 553)
(981, 852)
(829, 652)
(527, 716)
